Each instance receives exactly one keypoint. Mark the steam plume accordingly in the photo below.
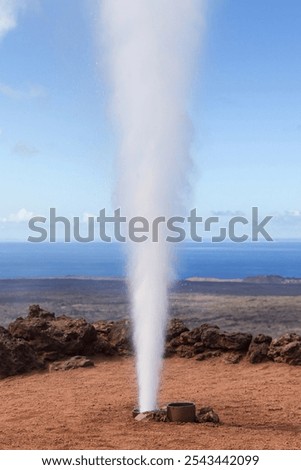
(151, 46)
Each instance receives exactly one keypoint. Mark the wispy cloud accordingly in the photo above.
(23, 215)
(34, 91)
(25, 150)
(9, 12)
(293, 213)
(287, 214)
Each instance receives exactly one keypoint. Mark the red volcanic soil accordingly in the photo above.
(259, 406)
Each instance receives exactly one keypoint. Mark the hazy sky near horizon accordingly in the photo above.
(57, 145)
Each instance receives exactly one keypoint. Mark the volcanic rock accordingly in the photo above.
(214, 338)
(286, 349)
(175, 328)
(120, 337)
(211, 337)
(16, 356)
(205, 338)
(207, 415)
(198, 348)
(35, 311)
(156, 415)
(102, 344)
(53, 338)
(208, 355)
(73, 363)
(259, 348)
(171, 347)
(185, 351)
(192, 336)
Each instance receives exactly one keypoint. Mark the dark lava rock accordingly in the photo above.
(193, 336)
(198, 348)
(206, 337)
(185, 351)
(120, 337)
(52, 338)
(175, 328)
(73, 363)
(207, 415)
(259, 348)
(286, 349)
(175, 342)
(211, 337)
(171, 347)
(102, 344)
(35, 311)
(214, 338)
(169, 351)
(208, 355)
(16, 356)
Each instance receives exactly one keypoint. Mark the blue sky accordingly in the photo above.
(57, 146)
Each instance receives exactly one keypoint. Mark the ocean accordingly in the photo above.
(223, 260)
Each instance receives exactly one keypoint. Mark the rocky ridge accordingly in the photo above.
(41, 340)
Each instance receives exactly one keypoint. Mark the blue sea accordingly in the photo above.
(224, 260)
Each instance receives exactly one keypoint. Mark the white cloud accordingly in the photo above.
(25, 150)
(288, 214)
(34, 91)
(9, 12)
(293, 213)
(23, 215)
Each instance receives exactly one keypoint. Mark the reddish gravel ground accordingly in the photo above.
(259, 406)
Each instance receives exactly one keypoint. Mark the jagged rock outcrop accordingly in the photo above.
(199, 341)
(32, 342)
(286, 349)
(120, 337)
(259, 348)
(175, 328)
(16, 356)
(117, 336)
(214, 338)
(53, 338)
(102, 344)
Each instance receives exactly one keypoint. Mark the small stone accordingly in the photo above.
(140, 417)
(156, 415)
(72, 363)
(233, 358)
(207, 415)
